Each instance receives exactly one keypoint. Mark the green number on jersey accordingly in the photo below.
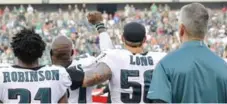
(43, 94)
(25, 95)
(136, 94)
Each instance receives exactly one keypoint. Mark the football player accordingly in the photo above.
(129, 70)
(62, 54)
(27, 82)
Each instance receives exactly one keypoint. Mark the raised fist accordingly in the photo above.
(95, 17)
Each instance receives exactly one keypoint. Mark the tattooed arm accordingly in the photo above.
(99, 74)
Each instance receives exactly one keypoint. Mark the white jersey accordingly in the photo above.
(82, 95)
(131, 74)
(225, 59)
(4, 65)
(46, 84)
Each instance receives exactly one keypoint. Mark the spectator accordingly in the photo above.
(160, 22)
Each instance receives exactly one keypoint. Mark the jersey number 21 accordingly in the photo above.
(43, 94)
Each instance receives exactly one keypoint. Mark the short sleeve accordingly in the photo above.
(76, 76)
(65, 79)
(160, 87)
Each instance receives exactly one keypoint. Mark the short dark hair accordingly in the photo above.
(133, 44)
(28, 46)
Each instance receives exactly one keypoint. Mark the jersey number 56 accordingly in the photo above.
(137, 89)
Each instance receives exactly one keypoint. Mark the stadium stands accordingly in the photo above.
(97, 1)
(159, 19)
(20, 1)
(55, 17)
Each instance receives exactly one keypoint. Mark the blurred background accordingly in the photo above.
(68, 17)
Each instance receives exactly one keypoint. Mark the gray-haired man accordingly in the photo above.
(191, 74)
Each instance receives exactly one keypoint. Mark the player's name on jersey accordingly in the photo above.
(30, 76)
(141, 60)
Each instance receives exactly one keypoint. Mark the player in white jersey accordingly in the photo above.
(63, 46)
(131, 74)
(129, 71)
(47, 84)
(4, 65)
(27, 82)
(82, 95)
(62, 54)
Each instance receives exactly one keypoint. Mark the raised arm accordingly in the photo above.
(105, 42)
(95, 18)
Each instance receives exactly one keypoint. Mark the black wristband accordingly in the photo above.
(76, 76)
(100, 26)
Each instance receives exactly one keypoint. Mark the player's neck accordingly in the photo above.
(134, 50)
(33, 65)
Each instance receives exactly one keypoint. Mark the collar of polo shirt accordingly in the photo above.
(193, 43)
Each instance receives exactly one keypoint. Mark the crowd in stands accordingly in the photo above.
(160, 21)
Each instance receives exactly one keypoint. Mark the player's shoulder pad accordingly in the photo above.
(5, 65)
(157, 55)
(5, 68)
(82, 56)
(110, 53)
(103, 54)
(57, 67)
(74, 62)
(83, 61)
(100, 57)
(113, 51)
